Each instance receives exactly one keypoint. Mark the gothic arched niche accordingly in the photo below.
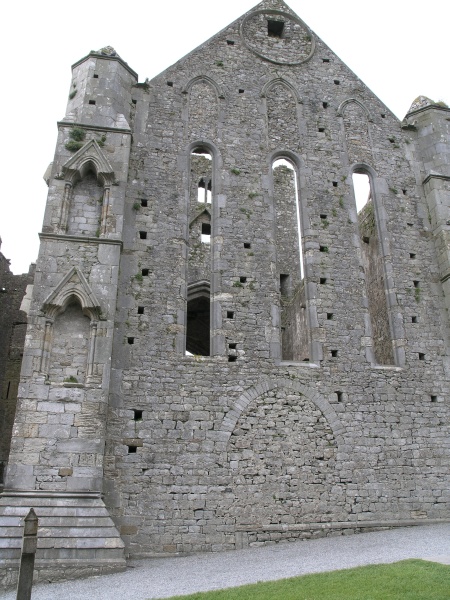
(357, 136)
(70, 344)
(203, 109)
(85, 206)
(281, 115)
(282, 455)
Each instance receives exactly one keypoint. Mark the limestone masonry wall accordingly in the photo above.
(191, 380)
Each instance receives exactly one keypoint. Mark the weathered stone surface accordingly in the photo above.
(312, 396)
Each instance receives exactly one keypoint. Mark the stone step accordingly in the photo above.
(55, 521)
(75, 533)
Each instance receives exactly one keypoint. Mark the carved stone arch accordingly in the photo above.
(206, 210)
(73, 286)
(198, 289)
(205, 79)
(281, 81)
(240, 405)
(89, 158)
(345, 103)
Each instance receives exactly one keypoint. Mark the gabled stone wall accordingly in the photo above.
(239, 441)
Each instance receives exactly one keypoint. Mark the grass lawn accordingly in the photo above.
(405, 580)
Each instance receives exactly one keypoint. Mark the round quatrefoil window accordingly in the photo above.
(278, 37)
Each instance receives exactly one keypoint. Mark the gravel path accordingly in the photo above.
(164, 577)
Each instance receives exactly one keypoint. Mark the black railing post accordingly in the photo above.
(29, 545)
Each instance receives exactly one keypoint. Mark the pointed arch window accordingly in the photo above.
(198, 320)
(295, 338)
(373, 266)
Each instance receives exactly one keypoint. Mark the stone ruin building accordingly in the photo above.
(13, 325)
(223, 350)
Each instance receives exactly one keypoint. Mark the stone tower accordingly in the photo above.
(222, 349)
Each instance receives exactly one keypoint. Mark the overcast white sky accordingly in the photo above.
(398, 50)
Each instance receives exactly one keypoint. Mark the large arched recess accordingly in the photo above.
(311, 321)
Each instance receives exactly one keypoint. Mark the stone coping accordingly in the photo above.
(79, 238)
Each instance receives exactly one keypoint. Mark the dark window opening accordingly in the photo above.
(405, 192)
(336, 82)
(321, 129)
(323, 280)
(366, 239)
(130, 340)
(414, 319)
(232, 358)
(141, 310)
(243, 279)
(275, 28)
(241, 91)
(95, 76)
(433, 398)
(133, 101)
(198, 326)
(416, 284)
(170, 83)
(144, 203)
(232, 346)
(339, 396)
(143, 235)
(325, 104)
(247, 245)
(230, 314)
(285, 285)
(383, 116)
(325, 60)
(145, 272)
(138, 415)
(206, 233)
(92, 102)
(230, 42)
(335, 183)
(412, 255)
(330, 316)
(421, 356)
(323, 249)
(334, 353)
(323, 217)
(132, 449)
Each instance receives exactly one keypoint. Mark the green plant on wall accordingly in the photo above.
(76, 141)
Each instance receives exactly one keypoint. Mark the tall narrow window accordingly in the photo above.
(199, 258)
(201, 191)
(373, 269)
(294, 328)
